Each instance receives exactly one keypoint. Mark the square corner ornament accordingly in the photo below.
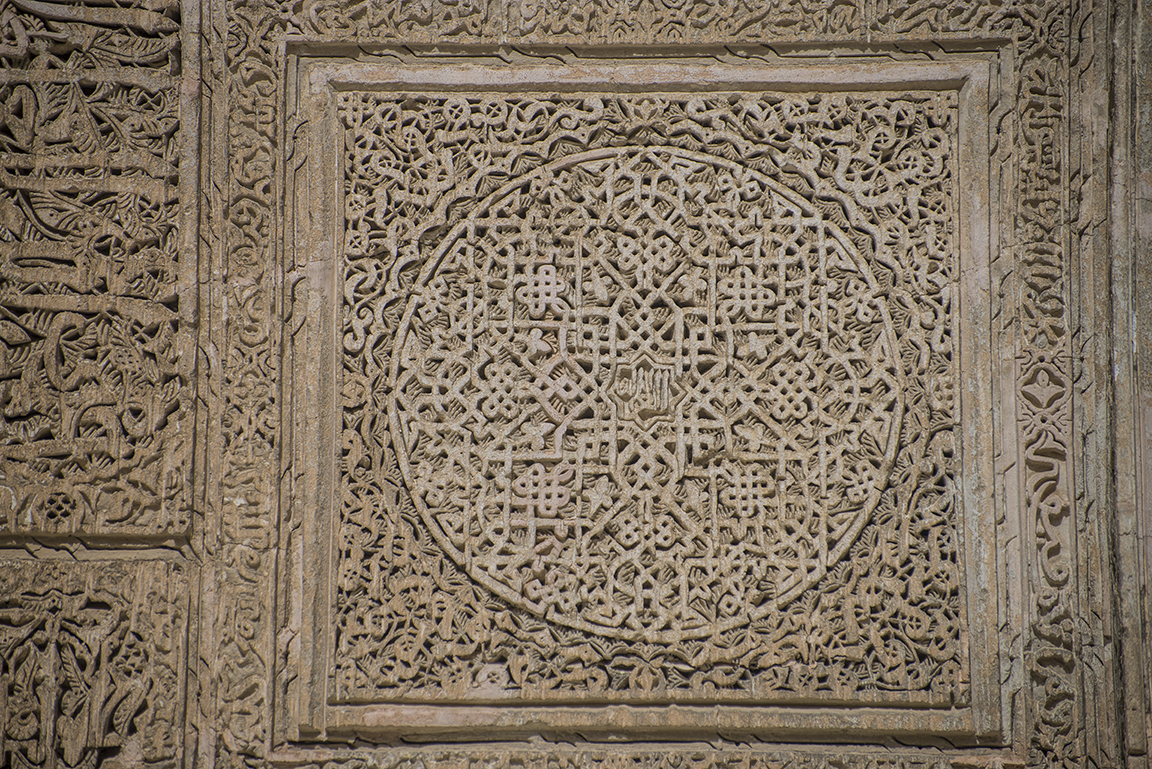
(675, 395)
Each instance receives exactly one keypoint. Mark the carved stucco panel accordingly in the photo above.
(648, 392)
(1035, 38)
(433, 591)
(98, 305)
(645, 397)
(95, 370)
(92, 665)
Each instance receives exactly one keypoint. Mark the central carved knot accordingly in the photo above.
(647, 393)
(645, 390)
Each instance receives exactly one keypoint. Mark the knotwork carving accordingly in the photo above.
(692, 331)
(1033, 223)
(676, 372)
(91, 663)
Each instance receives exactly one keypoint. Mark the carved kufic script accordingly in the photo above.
(91, 658)
(94, 435)
(639, 392)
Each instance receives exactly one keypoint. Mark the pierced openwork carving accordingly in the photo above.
(677, 372)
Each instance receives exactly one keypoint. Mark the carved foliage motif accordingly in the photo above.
(1045, 380)
(1035, 32)
(91, 663)
(242, 213)
(697, 407)
(630, 759)
(95, 380)
(1037, 222)
(567, 21)
(94, 432)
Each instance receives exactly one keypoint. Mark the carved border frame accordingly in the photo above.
(1070, 183)
(314, 220)
(1062, 671)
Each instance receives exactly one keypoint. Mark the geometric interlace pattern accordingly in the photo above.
(646, 392)
(648, 395)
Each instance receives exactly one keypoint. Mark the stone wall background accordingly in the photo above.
(147, 299)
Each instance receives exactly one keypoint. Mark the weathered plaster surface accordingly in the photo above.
(657, 383)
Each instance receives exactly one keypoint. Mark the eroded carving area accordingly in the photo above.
(646, 394)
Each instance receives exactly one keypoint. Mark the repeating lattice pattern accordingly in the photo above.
(676, 372)
(647, 393)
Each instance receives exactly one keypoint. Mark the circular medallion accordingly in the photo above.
(647, 393)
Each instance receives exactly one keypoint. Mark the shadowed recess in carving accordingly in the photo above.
(94, 390)
(90, 663)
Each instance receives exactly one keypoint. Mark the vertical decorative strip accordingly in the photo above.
(1046, 386)
(248, 399)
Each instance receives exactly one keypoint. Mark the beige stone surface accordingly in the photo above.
(640, 412)
(646, 383)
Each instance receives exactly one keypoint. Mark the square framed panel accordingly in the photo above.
(649, 397)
